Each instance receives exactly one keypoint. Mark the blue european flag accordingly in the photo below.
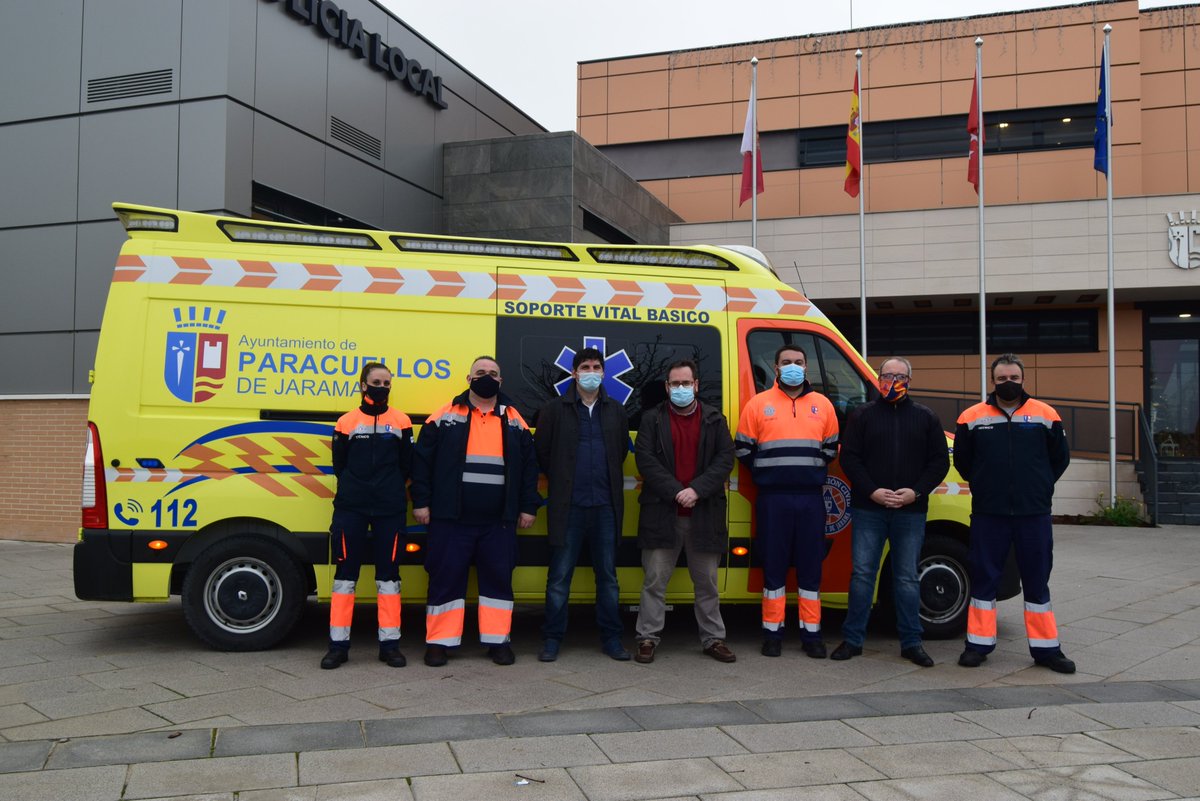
(1100, 138)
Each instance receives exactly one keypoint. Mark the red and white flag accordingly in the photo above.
(975, 129)
(749, 135)
(853, 145)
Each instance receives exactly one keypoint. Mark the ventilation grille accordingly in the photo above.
(356, 138)
(138, 84)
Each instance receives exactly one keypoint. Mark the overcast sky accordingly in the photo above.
(527, 49)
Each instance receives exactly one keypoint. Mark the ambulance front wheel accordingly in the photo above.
(244, 593)
(945, 586)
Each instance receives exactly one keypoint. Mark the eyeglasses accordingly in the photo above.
(681, 384)
(892, 376)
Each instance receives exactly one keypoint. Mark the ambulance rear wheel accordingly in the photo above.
(243, 594)
(945, 586)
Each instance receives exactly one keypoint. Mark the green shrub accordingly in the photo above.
(1124, 512)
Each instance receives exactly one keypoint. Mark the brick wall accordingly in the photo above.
(41, 458)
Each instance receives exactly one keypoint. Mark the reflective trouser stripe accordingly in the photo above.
(1040, 626)
(444, 623)
(495, 620)
(810, 610)
(341, 610)
(773, 605)
(388, 605)
(981, 622)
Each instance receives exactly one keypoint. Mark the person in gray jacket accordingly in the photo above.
(684, 453)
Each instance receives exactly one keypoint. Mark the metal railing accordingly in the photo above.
(1148, 464)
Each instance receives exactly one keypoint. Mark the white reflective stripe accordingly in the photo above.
(446, 607)
(986, 421)
(776, 593)
(1043, 643)
(387, 587)
(493, 639)
(343, 587)
(733, 484)
(389, 634)
(984, 605)
(813, 627)
(744, 438)
(450, 417)
(979, 640)
(472, 459)
(339, 633)
(789, 461)
(482, 478)
(810, 595)
(1037, 607)
(449, 642)
(495, 603)
(772, 626)
(788, 443)
(630, 482)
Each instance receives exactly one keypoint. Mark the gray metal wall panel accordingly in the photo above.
(84, 359)
(357, 92)
(288, 160)
(239, 157)
(353, 188)
(291, 62)
(129, 155)
(410, 147)
(37, 270)
(95, 257)
(502, 112)
(37, 83)
(202, 140)
(456, 123)
(407, 208)
(218, 48)
(36, 364)
(123, 37)
(39, 187)
(401, 36)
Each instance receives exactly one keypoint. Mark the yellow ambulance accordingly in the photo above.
(230, 346)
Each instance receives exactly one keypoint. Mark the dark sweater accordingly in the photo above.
(893, 446)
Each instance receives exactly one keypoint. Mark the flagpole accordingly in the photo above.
(754, 153)
(1112, 352)
(983, 377)
(862, 228)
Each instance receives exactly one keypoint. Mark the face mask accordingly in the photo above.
(1009, 391)
(485, 386)
(378, 395)
(590, 381)
(792, 375)
(893, 389)
(683, 396)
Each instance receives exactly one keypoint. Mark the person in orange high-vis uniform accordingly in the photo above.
(787, 436)
(1011, 449)
(372, 459)
(474, 483)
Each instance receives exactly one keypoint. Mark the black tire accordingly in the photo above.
(244, 593)
(945, 586)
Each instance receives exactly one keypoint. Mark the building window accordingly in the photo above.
(1042, 331)
(271, 204)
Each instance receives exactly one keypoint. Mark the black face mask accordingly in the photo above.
(378, 395)
(1009, 391)
(485, 386)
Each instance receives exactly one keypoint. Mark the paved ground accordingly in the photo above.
(115, 701)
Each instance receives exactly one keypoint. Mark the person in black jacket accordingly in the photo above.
(582, 440)
(894, 453)
(685, 454)
(372, 459)
(474, 483)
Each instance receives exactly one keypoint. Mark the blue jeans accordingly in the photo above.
(598, 526)
(906, 532)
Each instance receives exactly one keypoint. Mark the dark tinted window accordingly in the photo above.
(1025, 331)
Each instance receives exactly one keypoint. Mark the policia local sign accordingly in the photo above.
(334, 23)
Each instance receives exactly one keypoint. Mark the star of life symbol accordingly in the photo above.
(615, 366)
(1182, 233)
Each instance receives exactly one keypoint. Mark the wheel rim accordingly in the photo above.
(944, 588)
(243, 595)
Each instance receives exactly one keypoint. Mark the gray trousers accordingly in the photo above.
(658, 564)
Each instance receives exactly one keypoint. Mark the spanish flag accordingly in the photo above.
(975, 131)
(854, 146)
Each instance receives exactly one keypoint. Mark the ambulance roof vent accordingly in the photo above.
(135, 84)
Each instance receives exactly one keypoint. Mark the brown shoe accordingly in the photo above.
(645, 652)
(719, 651)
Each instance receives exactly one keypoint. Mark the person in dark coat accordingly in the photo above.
(582, 440)
(684, 454)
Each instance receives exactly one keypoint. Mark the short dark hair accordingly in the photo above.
(1008, 358)
(368, 367)
(784, 348)
(489, 358)
(689, 364)
(585, 355)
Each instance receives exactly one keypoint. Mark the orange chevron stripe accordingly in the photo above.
(313, 485)
(300, 456)
(259, 274)
(252, 453)
(270, 484)
(192, 271)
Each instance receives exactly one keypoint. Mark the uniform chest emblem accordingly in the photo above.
(769, 411)
(814, 411)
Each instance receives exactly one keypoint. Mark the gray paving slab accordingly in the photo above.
(79, 784)
(130, 748)
(24, 756)
(521, 753)
(641, 781)
(1123, 691)
(644, 746)
(1140, 713)
(1054, 750)
(539, 785)
(825, 792)
(385, 762)
(591, 721)
(786, 710)
(930, 759)
(937, 788)
(208, 797)
(388, 790)
(1100, 782)
(908, 703)
(935, 727)
(288, 737)
(306, 793)
(1187, 686)
(687, 716)
(404, 731)
(1040, 695)
(797, 736)
(1035, 720)
(158, 779)
(15, 715)
(1181, 776)
(796, 768)
(118, 721)
(1154, 743)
